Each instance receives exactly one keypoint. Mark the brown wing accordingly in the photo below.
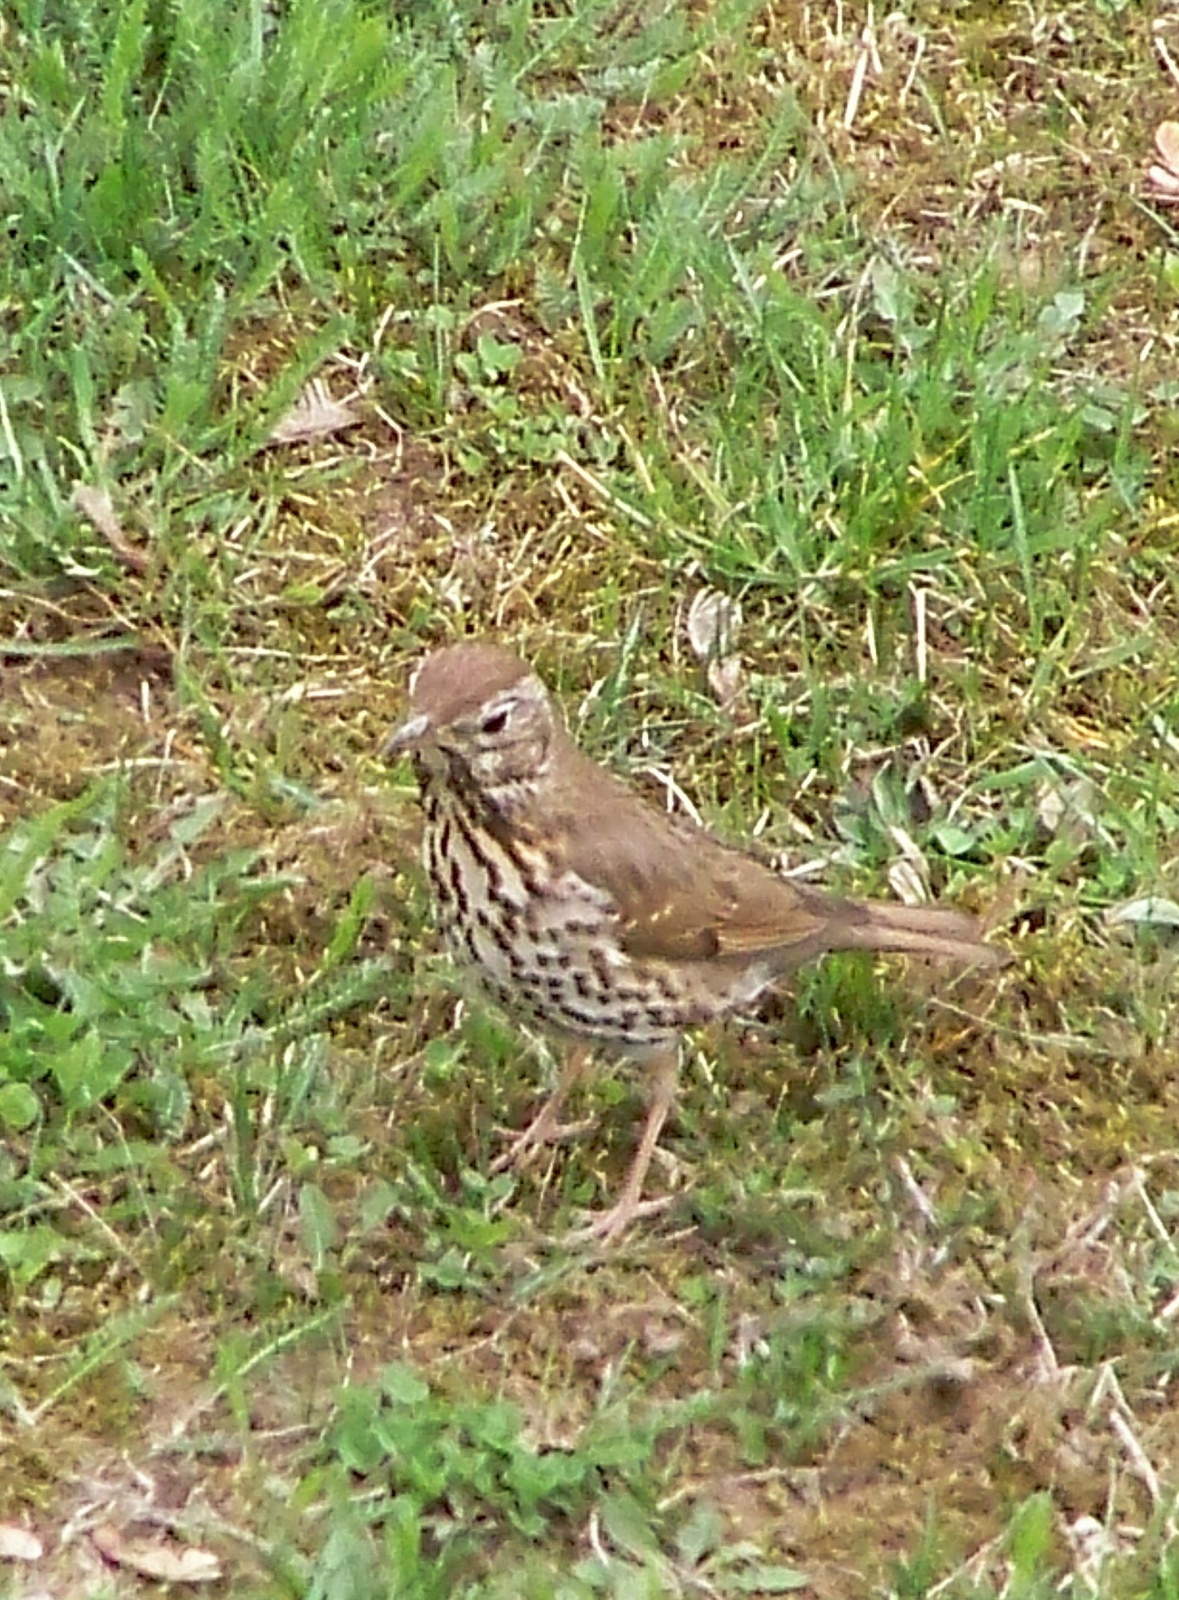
(682, 895)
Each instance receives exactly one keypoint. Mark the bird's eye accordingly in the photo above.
(496, 722)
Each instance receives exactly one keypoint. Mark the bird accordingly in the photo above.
(590, 914)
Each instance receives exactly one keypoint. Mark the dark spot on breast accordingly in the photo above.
(588, 1021)
(485, 858)
(664, 986)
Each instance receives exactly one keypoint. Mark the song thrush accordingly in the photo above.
(591, 913)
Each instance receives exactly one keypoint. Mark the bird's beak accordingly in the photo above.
(407, 737)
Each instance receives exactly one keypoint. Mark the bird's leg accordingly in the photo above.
(609, 1227)
(544, 1127)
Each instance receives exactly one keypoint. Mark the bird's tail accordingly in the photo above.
(918, 931)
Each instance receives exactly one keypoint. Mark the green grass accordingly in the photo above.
(624, 309)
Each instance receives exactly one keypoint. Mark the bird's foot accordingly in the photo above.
(608, 1227)
(544, 1129)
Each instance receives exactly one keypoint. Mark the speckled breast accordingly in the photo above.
(544, 942)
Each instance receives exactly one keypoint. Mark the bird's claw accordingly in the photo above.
(536, 1136)
(608, 1227)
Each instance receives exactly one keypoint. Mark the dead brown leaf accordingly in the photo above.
(156, 1558)
(97, 505)
(314, 415)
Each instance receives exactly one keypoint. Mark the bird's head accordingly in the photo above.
(482, 714)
